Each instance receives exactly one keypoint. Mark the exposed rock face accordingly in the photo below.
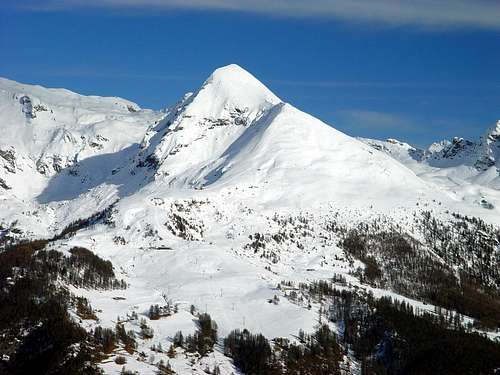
(4, 185)
(27, 106)
(9, 159)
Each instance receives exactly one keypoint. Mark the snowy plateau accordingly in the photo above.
(233, 203)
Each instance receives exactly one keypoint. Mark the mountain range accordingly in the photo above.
(231, 201)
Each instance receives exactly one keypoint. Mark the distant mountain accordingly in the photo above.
(481, 155)
(237, 204)
(468, 168)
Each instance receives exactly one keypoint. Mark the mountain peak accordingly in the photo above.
(230, 72)
(492, 136)
(231, 87)
(495, 129)
(235, 82)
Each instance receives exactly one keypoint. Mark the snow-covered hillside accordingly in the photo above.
(48, 132)
(235, 133)
(216, 201)
(55, 128)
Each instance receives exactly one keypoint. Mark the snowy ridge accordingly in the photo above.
(50, 129)
(207, 122)
(234, 131)
(470, 170)
(46, 133)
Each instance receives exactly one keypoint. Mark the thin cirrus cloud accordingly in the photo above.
(483, 14)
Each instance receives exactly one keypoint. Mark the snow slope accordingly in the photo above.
(470, 170)
(235, 132)
(190, 189)
(48, 130)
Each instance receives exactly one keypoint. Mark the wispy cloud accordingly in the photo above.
(374, 120)
(427, 13)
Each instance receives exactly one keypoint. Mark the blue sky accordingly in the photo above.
(416, 73)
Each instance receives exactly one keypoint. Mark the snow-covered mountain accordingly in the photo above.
(46, 132)
(482, 155)
(235, 133)
(220, 198)
(468, 169)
